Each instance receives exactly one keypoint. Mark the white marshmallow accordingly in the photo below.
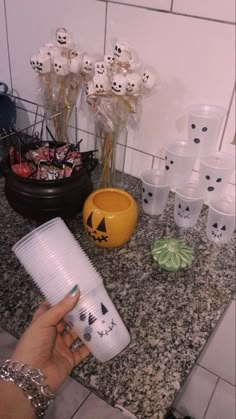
(33, 60)
(90, 89)
(134, 83)
(63, 38)
(109, 59)
(123, 53)
(61, 66)
(43, 63)
(75, 65)
(149, 79)
(100, 68)
(101, 84)
(119, 84)
(87, 65)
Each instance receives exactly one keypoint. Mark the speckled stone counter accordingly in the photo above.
(169, 316)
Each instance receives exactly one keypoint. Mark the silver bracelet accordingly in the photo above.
(31, 381)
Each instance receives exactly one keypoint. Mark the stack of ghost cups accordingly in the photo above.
(56, 263)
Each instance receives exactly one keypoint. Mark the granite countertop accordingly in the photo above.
(169, 315)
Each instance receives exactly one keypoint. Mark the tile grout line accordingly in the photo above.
(86, 398)
(170, 12)
(213, 373)
(211, 398)
(105, 29)
(227, 116)
(172, 5)
(8, 45)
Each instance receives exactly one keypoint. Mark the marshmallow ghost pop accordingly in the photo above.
(61, 66)
(42, 63)
(123, 53)
(149, 79)
(119, 84)
(134, 83)
(63, 38)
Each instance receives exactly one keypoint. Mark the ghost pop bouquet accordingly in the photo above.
(114, 95)
(61, 69)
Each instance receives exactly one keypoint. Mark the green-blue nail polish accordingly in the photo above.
(73, 291)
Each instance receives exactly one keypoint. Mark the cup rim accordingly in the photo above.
(228, 198)
(198, 107)
(186, 142)
(195, 184)
(222, 154)
(161, 171)
(112, 190)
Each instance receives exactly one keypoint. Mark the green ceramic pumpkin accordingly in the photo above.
(172, 255)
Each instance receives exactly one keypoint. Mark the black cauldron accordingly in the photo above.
(43, 200)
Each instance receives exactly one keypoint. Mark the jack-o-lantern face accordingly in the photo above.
(97, 233)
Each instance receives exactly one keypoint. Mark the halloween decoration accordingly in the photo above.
(61, 70)
(172, 255)
(110, 217)
(179, 162)
(214, 174)
(95, 317)
(221, 220)
(155, 191)
(119, 86)
(188, 205)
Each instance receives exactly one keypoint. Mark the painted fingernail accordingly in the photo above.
(73, 291)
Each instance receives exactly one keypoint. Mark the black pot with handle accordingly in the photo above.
(43, 200)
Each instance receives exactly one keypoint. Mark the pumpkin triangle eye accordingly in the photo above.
(89, 220)
(102, 226)
(104, 309)
(223, 228)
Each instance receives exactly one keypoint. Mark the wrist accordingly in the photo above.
(13, 402)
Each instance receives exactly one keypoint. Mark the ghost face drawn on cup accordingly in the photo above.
(183, 211)
(147, 196)
(100, 324)
(198, 133)
(218, 231)
(211, 182)
(168, 163)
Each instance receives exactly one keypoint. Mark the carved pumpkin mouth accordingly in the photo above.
(96, 238)
(108, 330)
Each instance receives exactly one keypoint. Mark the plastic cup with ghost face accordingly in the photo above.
(188, 205)
(179, 162)
(99, 325)
(204, 124)
(214, 173)
(155, 191)
(221, 220)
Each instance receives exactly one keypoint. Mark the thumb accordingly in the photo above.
(56, 313)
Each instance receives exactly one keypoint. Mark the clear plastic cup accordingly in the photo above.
(99, 325)
(221, 220)
(50, 254)
(179, 162)
(155, 191)
(214, 173)
(188, 205)
(204, 124)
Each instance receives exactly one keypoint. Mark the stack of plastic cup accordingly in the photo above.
(204, 124)
(179, 162)
(214, 174)
(56, 263)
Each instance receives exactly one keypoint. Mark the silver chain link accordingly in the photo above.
(31, 381)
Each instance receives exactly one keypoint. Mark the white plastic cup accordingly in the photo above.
(99, 325)
(155, 191)
(221, 220)
(188, 205)
(51, 252)
(179, 162)
(204, 124)
(56, 263)
(214, 174)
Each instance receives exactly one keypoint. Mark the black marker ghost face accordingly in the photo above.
(39, 65)
(62, 39)
(183, 211)
(168, 163)
(212, 182)
(97, 233)
(100, 68)
(102, 323)
(116, 87)
(99, 88)
(147, 196)
(117, 51)
(218, 231)
(199, 133)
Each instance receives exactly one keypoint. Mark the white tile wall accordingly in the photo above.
(154, 4)
(214, 9)
(219, 355)
(229, 141)
(192, 57)
(4, 65)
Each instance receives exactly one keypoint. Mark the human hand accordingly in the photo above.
(43, 346)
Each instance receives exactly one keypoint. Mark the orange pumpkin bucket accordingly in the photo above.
(110, 217)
